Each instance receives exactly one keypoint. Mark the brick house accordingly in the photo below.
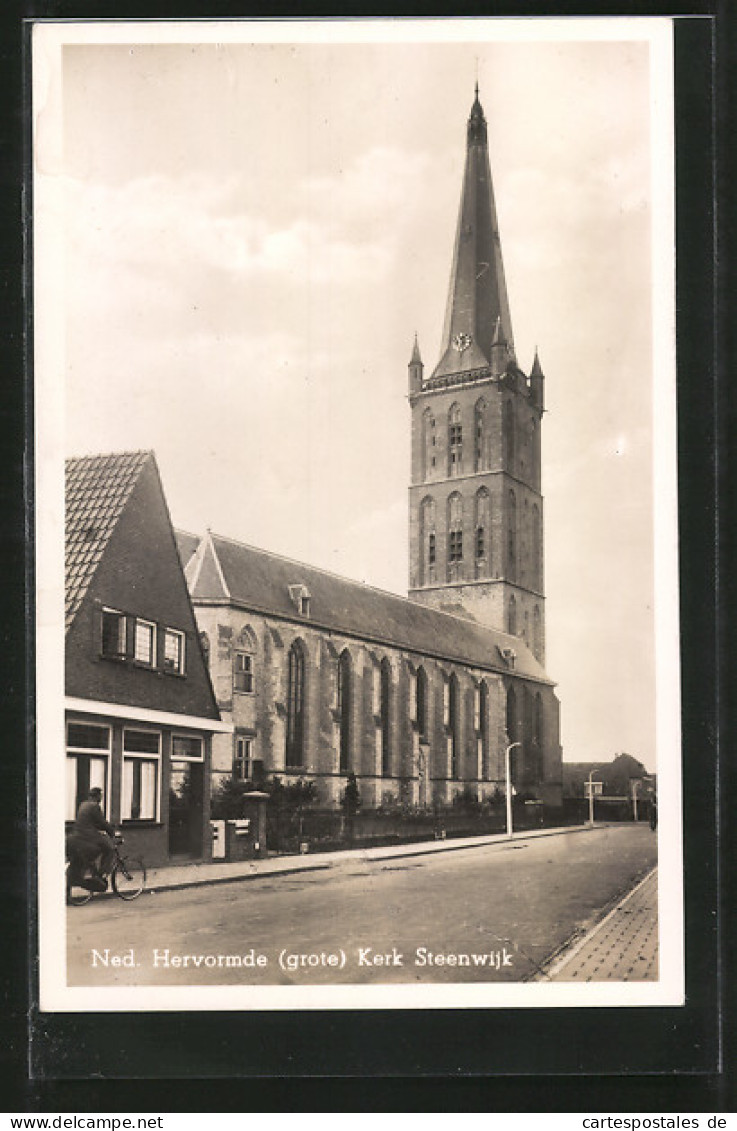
(139, 706)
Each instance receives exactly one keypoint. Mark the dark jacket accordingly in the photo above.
(91, 821)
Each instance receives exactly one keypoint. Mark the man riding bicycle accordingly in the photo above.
(92, 836)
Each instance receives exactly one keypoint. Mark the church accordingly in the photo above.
(418, 697)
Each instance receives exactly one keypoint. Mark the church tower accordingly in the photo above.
(476, 511)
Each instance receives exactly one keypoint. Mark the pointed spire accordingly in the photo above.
(536, 370)
(415, 359)
(477, 313)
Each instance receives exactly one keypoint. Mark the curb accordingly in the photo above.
(577, 941)
(498, 840)
(425, 848)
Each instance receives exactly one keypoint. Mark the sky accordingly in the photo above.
(254, 232)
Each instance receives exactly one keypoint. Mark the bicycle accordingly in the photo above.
(127, 875)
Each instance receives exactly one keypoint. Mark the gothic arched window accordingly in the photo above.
(455, 441)
(482, 529)
(537, 641)
(428, 443)
(453, 724)
(385, 685)
(421, 678)
(512, 537)
(295, 705)
(480, 438)
(344, 710)
(482, 727)
(427, 541)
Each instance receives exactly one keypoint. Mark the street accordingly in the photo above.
(488, 913)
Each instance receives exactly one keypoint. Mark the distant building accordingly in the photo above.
(322, 677)
(140, 709)
(614, 778)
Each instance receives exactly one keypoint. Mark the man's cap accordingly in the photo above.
(96, 791)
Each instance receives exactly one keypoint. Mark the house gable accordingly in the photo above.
(138, 574)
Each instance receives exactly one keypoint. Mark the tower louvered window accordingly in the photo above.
(455, 441)
(480, 438)
(455, 532)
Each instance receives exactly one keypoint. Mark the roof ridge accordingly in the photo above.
(373, 588)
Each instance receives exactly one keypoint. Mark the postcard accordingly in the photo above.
(355, 454)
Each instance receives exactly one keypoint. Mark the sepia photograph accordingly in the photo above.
(356, 515)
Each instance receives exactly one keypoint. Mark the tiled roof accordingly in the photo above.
(261, 581)
(97, 489)
(186, 545)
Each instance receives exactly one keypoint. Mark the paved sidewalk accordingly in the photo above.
(191, 875)
(623, 947)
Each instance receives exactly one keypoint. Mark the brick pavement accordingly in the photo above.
(623, 947)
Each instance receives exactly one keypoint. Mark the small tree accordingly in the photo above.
(351, 804)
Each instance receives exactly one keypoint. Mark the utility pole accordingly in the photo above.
(591, 797)
(508, 783)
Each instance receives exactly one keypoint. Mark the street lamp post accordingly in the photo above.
(591, 798)
(508, 783)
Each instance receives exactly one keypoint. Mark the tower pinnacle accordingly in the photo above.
(477, 311)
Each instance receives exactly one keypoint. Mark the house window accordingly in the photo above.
(186, 749)
(113, 634)
(243, 758)
(455, 546)
(88, 754)
(145, 643)
(431, 552)
(173, 651)
(243, 672)
(140, 788)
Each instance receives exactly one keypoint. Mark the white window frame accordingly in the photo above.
(188, 757)
(446, 700)
(238, 655)
(99, 753)
(182, 639)
(149, 624)
(145, 756)
(122, 652)
(247, 740)
(477, 708)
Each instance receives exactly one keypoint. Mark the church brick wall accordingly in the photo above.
(262, 713)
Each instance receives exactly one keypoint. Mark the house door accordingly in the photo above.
(186, 809)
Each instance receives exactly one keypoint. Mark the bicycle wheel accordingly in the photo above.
(129, 877)
(76, 895)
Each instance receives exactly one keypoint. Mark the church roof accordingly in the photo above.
(225, 571)
(97, 490)
(477, 311)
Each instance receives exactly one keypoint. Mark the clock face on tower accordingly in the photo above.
(461, 342)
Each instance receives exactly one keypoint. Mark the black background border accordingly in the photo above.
(644, 1059)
